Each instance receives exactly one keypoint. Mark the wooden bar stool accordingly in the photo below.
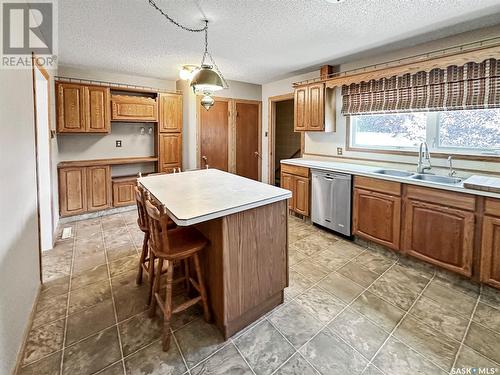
(142, 222)
(180, 244)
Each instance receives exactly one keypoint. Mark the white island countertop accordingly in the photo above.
(196, 196)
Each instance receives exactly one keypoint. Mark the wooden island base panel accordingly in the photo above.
(246, 265)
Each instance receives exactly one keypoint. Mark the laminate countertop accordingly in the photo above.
(196, 196)
(369, 171)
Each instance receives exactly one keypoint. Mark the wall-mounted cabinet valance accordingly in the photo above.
(469, 86)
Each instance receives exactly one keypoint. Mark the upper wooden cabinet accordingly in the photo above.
(170, 151)
(133, 108)
(297, 180)
(82, 108)
(170, 119)
(490, 249)
(97, 109)
(377, 211)
(314, 108)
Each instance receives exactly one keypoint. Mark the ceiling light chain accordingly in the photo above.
(204, 79)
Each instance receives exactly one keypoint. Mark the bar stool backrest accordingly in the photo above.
(140, 198)
(158, 223)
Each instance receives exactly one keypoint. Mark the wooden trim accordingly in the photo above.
(112, 161)
(271, 129)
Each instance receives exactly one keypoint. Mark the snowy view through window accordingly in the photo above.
(474, 130)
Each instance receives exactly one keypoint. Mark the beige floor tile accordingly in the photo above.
(341, 287)
(89, 321)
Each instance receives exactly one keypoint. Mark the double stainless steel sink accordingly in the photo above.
(420, 176)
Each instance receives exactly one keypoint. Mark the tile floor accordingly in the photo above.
(349, 309)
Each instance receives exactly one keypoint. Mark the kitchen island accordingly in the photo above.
(246, 264)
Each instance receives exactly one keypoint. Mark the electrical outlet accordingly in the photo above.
(118, 143)
(339, 150)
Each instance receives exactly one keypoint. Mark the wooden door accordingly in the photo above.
(70, 108)
(287, 182)
(377, 217)
(98, 187)
(247, 140)
(300, 109)
(133, 108)
(316, 107)
(170, 151)
(490, 253)
(97, 108)
(440, 235)
(301, 201)
(213, 134)
(170, 118)
(72, 191)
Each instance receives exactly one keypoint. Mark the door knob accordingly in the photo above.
(256, 153)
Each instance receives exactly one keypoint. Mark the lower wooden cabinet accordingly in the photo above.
(296, 179)
(490, 249)
(98, 187)
(170, 151)
(123, 191)
(377, 211)
(440, 235)
(377, 217)
(84, 189)
(72, 191)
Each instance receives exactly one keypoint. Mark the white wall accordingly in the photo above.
(326, 143)
(19, 270)
(237, 90)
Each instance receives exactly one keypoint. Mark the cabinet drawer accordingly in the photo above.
(295, 169)
(442, 197)
(374, 184)
(492, 207)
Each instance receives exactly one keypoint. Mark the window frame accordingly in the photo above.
(432, 139)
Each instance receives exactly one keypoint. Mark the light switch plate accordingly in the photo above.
(118, 143)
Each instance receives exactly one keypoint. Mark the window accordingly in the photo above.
(465, 131)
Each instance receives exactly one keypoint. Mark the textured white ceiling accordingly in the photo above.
(253, 41)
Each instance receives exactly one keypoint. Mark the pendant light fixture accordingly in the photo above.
(205, 79)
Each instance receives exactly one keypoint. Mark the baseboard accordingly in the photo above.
(19, 357)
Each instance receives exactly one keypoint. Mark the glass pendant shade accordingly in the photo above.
(207, 102)
(206, 80)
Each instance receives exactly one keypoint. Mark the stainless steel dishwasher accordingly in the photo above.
(331, 200)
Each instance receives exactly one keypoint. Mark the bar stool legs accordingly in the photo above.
(167, 308)
(201, 288)
(142, 262)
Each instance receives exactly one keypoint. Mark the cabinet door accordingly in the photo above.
(316, 107)
(170, 113)
(490, 252)
(98, 187)
(440, 235)
(72, 191)
(377, 217)
(300, 109)
(301, 201)
(133, 108)
(97, 109)
(123, 193)
(70, 108)
(287, 183)
(170, 151)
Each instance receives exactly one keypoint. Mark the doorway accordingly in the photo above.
(41, 101)
(284, 142)
(229, 137)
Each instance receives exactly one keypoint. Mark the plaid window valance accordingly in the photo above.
(470, 86)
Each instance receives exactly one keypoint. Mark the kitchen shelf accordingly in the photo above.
(111, 161)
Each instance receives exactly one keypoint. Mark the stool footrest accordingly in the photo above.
(186, 305)
(195, 284)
